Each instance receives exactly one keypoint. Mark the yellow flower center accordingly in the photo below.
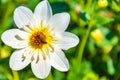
(40, 37)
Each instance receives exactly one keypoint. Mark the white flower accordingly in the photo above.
(39, 40)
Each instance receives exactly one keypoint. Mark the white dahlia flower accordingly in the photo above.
(39, 39)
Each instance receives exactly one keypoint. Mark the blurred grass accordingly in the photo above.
(96, 22)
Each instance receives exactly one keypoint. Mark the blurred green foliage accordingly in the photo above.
(96, 22)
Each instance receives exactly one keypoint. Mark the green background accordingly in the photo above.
(95, 22)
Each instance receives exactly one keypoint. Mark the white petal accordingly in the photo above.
(68, 40)
(43, 11)
(16, 59)
(59, 61)
(41, 68)
(22, 16)
(59, 21)
(9, 37)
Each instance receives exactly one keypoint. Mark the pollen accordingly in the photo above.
(39, 38)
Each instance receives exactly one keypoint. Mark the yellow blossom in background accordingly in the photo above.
(90, 76)
(102, 3)
(4, 52)
(97, 35)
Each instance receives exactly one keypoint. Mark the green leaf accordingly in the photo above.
(110, 66)
(115, 7)
(58, 7)
(91, 47)
(84, 16)
(100, 20)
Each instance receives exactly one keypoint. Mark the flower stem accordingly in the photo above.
(6, 72)
(90, 23)
(15, 74)
(82, 45)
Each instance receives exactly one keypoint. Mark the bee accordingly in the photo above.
(41, 39)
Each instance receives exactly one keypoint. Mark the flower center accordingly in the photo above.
(38, 39)
(41, 38)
